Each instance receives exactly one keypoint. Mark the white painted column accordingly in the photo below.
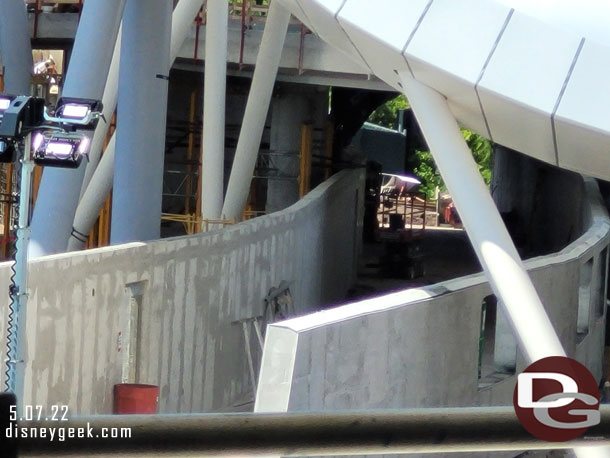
(15, 47)
(93, 198)
(214, 103)
(182, 20)
(109, 100)
(261, 90)
(486, 230)
(86, 77)
(100, 183)
(142, 109)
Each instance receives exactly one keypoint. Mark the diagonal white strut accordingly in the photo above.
(98, 180)
(261, 90)
(215, 88)
(86, 78)
(486, 230)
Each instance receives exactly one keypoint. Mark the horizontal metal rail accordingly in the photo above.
(298, 434)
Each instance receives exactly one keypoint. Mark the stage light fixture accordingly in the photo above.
(59, 149)
(21, 114)
(73, 112)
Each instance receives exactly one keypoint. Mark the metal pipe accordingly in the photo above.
(15, 47)
(242, 40)
(261, 90)
(100, 184)
(184, 14)
(142, 108)
(86, 78)
(16, 358)
(303, 434)
(214, 101)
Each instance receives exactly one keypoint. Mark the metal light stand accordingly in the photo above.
(18, 288)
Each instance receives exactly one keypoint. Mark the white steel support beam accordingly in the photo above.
(486, 230)
(140, 144)
(93, 198)
(182, 19)
(109, 100)
(15, 47)
(100, 183)
(86, 77)
(214, 102)
(261, 90)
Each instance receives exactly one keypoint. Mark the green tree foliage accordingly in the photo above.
(426, 168)
(386, 115)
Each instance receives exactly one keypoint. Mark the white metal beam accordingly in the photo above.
(214, 101)
(142, 108)
(15, 47)
(86, 77)
(261, 90)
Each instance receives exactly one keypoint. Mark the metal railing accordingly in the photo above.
(303, 434)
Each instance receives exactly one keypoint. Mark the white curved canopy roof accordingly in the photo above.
(528, 75)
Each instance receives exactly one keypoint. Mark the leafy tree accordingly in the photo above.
(386, 115)
(426, 169)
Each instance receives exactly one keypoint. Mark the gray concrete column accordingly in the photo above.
(290, 111)
(213, 154)
(142, 111)
(86, 77)
(15, 47)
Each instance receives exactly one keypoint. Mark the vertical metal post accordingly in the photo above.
(263, 81)
(36, 14)
(305, 162)
(242, 41)
(189, 168)
(16, 363)
(185, 13)
(214, 101)
(8, 205)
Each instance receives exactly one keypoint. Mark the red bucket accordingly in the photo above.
(134, 398)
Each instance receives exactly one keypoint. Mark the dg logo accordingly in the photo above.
(557, 399)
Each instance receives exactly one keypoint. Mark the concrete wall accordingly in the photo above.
(420, 347)
(189, 291)
(532, 197)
